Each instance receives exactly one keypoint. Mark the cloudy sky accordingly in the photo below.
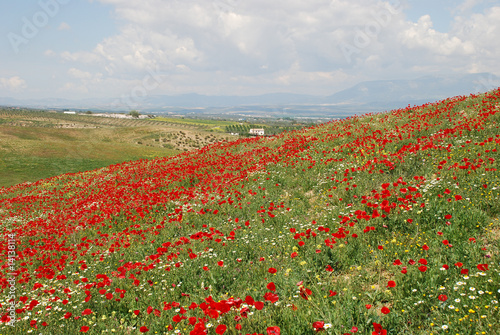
(109, 48)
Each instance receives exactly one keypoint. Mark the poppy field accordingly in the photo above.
(376, 224)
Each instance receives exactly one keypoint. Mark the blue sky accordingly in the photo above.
(78, 49)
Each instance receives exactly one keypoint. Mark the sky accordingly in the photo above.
(78, 49)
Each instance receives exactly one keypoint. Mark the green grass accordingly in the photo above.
(33, 145)
(60, 159)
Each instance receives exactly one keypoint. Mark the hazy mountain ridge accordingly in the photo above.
(366, 96)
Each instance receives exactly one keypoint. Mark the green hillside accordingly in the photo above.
(39, 144)
(376, 224)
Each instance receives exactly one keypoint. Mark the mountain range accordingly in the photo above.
(368, 96)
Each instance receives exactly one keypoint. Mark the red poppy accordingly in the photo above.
(422, 268)
(318, 326)
(249, 300)
(442, 297)
(385, 310)
(391, 283)
(273, 330)
(271, 297)
(143, 329)
(271, 286)
(378, 329)
(221, 329)
(87, 311)
(272, 270)
(482, 267)
(84, 329)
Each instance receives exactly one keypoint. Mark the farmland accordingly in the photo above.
(377, 224)
(38, 144)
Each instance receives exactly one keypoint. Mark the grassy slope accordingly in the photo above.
(339, 211)
(33, 145)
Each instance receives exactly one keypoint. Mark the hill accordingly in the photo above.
(382, 223)
(40, 144)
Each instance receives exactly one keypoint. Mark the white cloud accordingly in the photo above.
(71, 87)
(64, 26)
(13, 83)
(481, 31)
(466, 6)
(81, 56)
(79, 74)
(242, 47)
(49, 53)
(421, 35)
(244, 39)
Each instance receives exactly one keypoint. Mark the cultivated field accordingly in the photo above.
(38, 144)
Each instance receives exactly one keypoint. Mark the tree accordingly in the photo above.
(88, 112)
(134, 113)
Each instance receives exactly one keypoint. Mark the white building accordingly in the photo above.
(257, 131)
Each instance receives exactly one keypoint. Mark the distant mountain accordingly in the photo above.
(423, 89)
(198, 100)
(366, 96)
